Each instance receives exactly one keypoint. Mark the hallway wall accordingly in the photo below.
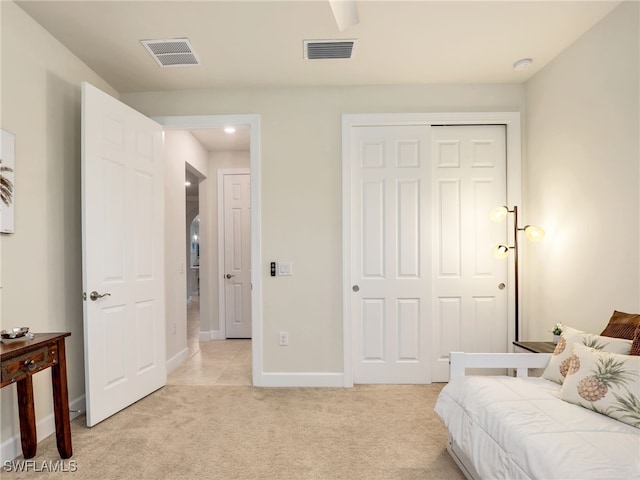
(180, 148)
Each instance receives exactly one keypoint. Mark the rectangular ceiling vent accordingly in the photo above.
(328, 49)
(174, 52)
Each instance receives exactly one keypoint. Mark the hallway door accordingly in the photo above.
(237, 255)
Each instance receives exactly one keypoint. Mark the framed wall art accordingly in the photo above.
(7, 193)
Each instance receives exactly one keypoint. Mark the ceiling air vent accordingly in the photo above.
(327, 49)
(174, 52)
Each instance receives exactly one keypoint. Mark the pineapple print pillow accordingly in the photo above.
(607, 383)
(559, 364)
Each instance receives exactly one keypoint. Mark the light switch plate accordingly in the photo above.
(285, 268)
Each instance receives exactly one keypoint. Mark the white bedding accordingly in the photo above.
(516, 428)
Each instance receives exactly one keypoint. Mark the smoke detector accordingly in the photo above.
(328, 49)
(173, 52)
(523, 64)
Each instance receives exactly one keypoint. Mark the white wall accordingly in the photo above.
(582, 180)
(301, 194)
(41, 261)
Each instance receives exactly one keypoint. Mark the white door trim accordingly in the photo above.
(514, 191)
(252, 121)
(222, 324)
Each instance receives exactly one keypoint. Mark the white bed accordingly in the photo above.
(518, 428)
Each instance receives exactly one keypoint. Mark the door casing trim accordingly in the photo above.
(252, 121)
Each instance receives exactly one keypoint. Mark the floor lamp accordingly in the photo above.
(533, 233)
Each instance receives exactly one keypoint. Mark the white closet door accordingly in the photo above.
(390, 254)
(469, 178)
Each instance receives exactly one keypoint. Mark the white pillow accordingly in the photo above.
(559, 364)
(607, 383)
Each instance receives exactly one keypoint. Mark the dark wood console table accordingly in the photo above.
(20, 360)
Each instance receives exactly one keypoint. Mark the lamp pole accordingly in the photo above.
(534, 234)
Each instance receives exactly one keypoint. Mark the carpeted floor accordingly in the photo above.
(205, 432)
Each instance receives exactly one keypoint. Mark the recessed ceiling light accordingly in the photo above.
(230, 129)
(523, 64)
(187, 184)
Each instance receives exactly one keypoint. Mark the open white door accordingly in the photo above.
(123, 254)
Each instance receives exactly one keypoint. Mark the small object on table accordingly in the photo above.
(16, 334)
(557, 331)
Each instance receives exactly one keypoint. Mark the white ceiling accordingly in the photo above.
(217, 140)
(260, 43)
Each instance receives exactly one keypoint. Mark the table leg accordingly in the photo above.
(61, 403)
(27, 414)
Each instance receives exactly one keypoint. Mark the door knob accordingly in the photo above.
(501, 286)
(228, 275)
(95, 295)
(355, 288)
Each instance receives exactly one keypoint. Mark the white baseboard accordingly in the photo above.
(302, 379)
(211, 335)
(177, 360)
(12, 448)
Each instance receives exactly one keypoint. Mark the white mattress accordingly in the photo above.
(516, 428)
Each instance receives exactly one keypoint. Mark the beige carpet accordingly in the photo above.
(200, 432)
